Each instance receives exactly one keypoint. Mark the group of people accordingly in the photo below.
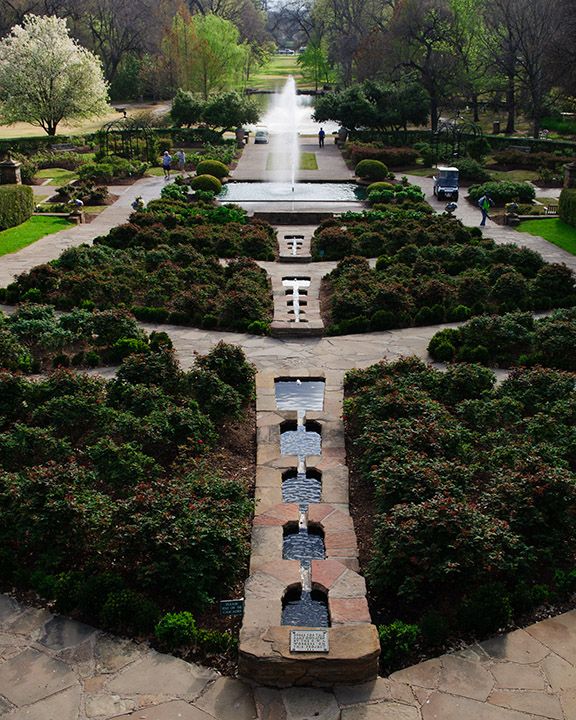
(167, 162)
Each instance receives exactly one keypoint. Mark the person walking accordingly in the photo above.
(485, 203)
(166, 162)
(181, 160)
(321, 135)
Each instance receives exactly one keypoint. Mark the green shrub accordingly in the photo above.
(435, 626)
(16, 205)
(206, 182)
(371, 170)
(214, 642)
(504, 192)
(92, 358)
(379, 186)
(470, 169)
(176, 629)
(397, 640)
(127, 346)
(259, 328)
(212, 167)
(487, 610)
(567, 206)
(61, 360)
(128, 611)
(526, 597)
(175, 192)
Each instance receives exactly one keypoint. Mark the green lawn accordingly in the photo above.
(513, 175)
(276, 161)
(58, 176)
(37, 227)
(553, 230)
(275, 74)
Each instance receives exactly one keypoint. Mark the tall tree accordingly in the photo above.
(347, 24)
(114, 29)
(314, 63)
(205, 52)
(47, 77)
(421, 44)
(530, 28)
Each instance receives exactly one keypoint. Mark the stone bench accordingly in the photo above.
(520, 148)
(64, 147)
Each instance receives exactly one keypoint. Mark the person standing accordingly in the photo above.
(321, 135)
(166, 162)
(181, 160)
(485, 203)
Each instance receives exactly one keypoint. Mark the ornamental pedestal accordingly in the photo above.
(10, 172)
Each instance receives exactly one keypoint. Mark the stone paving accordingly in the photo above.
(52, 668)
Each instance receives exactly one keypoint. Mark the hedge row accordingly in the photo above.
(115, 474)
(431, 270)
(567, 206)
(16, 205)
(390, 156)
(510, 340)
(474, 488)
(497, 142)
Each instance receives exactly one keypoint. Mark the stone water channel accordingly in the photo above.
(304, 558)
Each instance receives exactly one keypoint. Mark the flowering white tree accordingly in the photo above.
(47, 77)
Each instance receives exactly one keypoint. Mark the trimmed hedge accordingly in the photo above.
(390, 156)
(212, 167)
(16, 205)
(206, 182)
(371, 170)
(504, 192)
(567, 206)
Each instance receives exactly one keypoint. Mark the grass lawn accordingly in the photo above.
(156, 171)
(37, 227)
(275, 74)
(553, 230)
(513, 175)
(276, 161)
(58, 176)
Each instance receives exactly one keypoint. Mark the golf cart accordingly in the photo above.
(446, 183)
(261, 136)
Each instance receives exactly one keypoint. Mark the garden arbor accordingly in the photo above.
(450, 141)
(128, 138)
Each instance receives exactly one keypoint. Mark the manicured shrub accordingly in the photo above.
(371, 170)
(16, 205)
(487, 610)
(503, 192)
(212, 167)
(128, 611)
(206, 182)
(435, 627)
(390, 156)
(379, 186)
(567, 206)
(470, 169)
(176, 629)
(397, 640)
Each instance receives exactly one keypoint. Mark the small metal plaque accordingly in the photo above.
(312, 641)
(232, 607)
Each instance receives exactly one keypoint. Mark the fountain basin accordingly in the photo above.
(299, 192)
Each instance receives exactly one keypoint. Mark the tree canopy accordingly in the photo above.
(376, 106)
(225, 110)
(46, 77)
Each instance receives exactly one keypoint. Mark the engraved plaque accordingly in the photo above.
(312, 641)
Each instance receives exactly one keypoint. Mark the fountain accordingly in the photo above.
(282, 120)
(285, 118)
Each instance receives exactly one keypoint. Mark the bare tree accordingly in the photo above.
(525, 32)
(421, 44)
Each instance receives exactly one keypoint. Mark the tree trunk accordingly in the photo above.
(475, 107)
(433, 112)
(510, 105)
